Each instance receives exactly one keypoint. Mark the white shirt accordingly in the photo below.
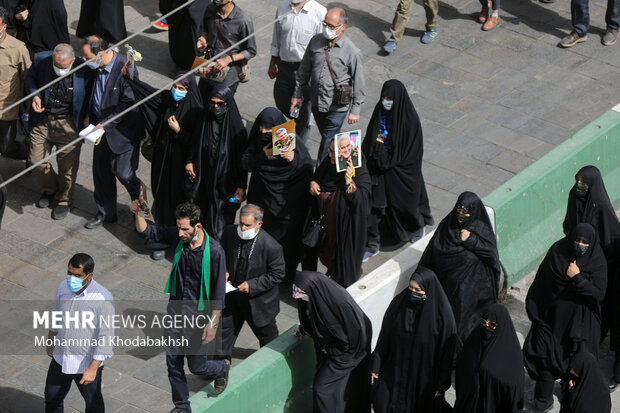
(292, 34)
(96, 299)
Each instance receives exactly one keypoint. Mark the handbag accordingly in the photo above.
(315, 232)
(343, 94)
(243, 69)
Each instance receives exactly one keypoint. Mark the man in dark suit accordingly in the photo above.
(255, 265)
(57, 117)
(118, 152)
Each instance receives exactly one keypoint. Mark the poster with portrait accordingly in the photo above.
(283, 137)
(347, 146)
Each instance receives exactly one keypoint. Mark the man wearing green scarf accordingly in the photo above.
(198, 281)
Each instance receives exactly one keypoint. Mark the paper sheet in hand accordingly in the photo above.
(217, 76)
(230, 288)
(91, 134)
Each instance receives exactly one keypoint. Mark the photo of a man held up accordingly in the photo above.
(348, 149)
(283, 137)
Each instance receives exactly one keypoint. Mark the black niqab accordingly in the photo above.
(413, 356)
(468, 270)
(104, 18)
(589, 393)
(489, 373)
(398, 184)
(565, 312)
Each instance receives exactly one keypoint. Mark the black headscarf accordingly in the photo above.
(468, 271)
(396, 174)
(46, 25)
(217, 161)
(565, 312)
(489, 369)
(413, 356)
(104, 18)
(351, 218)
(278, 186)
(589, 394)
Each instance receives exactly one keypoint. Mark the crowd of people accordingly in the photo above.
(242, 218)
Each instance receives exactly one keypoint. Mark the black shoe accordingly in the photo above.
(60, 212)
(158, 255)
(45, 201)
(177, 410)
(613, 385)
(97, 222)
(219, 385)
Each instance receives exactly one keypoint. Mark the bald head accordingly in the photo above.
(335, 21)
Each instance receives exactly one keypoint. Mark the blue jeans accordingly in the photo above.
(329, 124)
(580, 13)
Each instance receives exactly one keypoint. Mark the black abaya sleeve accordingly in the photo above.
(149, 110)
(483, 250)
(590, 287)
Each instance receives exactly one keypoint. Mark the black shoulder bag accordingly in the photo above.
(315, 232)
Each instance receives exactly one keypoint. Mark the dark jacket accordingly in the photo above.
(265, 272)
(126, 132)
(42, 72)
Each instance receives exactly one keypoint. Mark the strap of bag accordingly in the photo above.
(325, 206)
(329, 66)
(226, 45)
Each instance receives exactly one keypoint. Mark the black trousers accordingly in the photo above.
(107, 167)
(283, 89)
(237, 312)
(58, 384)
(9, 146)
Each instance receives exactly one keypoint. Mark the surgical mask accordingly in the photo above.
(2, 31)
(461, 219)
(580, 250)
(60, 72)
(74, 283)
(330, 34)
(178, 94)
(248, 233)
(387, 104)
(416, 297)
(93, 65)
(218, 112)
(295, 4)
(581, 189)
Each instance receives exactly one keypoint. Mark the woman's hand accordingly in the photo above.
(349, 172)
(189, 169)
(288, 154)
(268, 149)
(173, 123)
(315, 189)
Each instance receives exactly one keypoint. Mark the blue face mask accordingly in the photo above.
(74, 283)
(178, 94)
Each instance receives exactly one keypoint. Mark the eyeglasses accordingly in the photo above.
(488, 323)
(219, 104)
(330, 26)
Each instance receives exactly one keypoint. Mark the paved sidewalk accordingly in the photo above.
(491, 103)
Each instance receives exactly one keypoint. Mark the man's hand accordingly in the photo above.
(189, 169)
(222, 62)
(86, 121)
(244, 287)
(353, 118)
(201, 43)
(288, 154)
(135, 206)
(273, 69)
(464, 235)
(315, 188)
(227, 276)
(36, 104)
(208, 334)
(89, 376)
(23, 16)
(573, 269)
(50, 350)
(173, 124)
(241, 193)
(268, 149)
(295, 102)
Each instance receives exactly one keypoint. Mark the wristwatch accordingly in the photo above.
(213, 325)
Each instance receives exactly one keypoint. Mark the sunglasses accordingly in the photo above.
(217, 104)
(488, 323)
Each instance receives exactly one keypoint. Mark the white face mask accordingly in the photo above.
(2, 31)
(387, 104)
(295, 4)
(330, 34)
(248, 233)
(60, 72)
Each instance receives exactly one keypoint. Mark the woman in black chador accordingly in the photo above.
(588, 202)
(564, 306)
(342, 198)
(489, 369)
(341, 333)
(220, 179)
(104, 18)
(279, 184)
(412, 362)
(393, 147)
(585, 390)
(171, 119)
(463, 254)
(45, 25)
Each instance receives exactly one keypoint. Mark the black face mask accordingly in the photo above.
(218, 3)
(581, 189)
(488, 333)
(461, 219)
(579, 250)
(265, 138)
(218, 112)
(416, 298)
